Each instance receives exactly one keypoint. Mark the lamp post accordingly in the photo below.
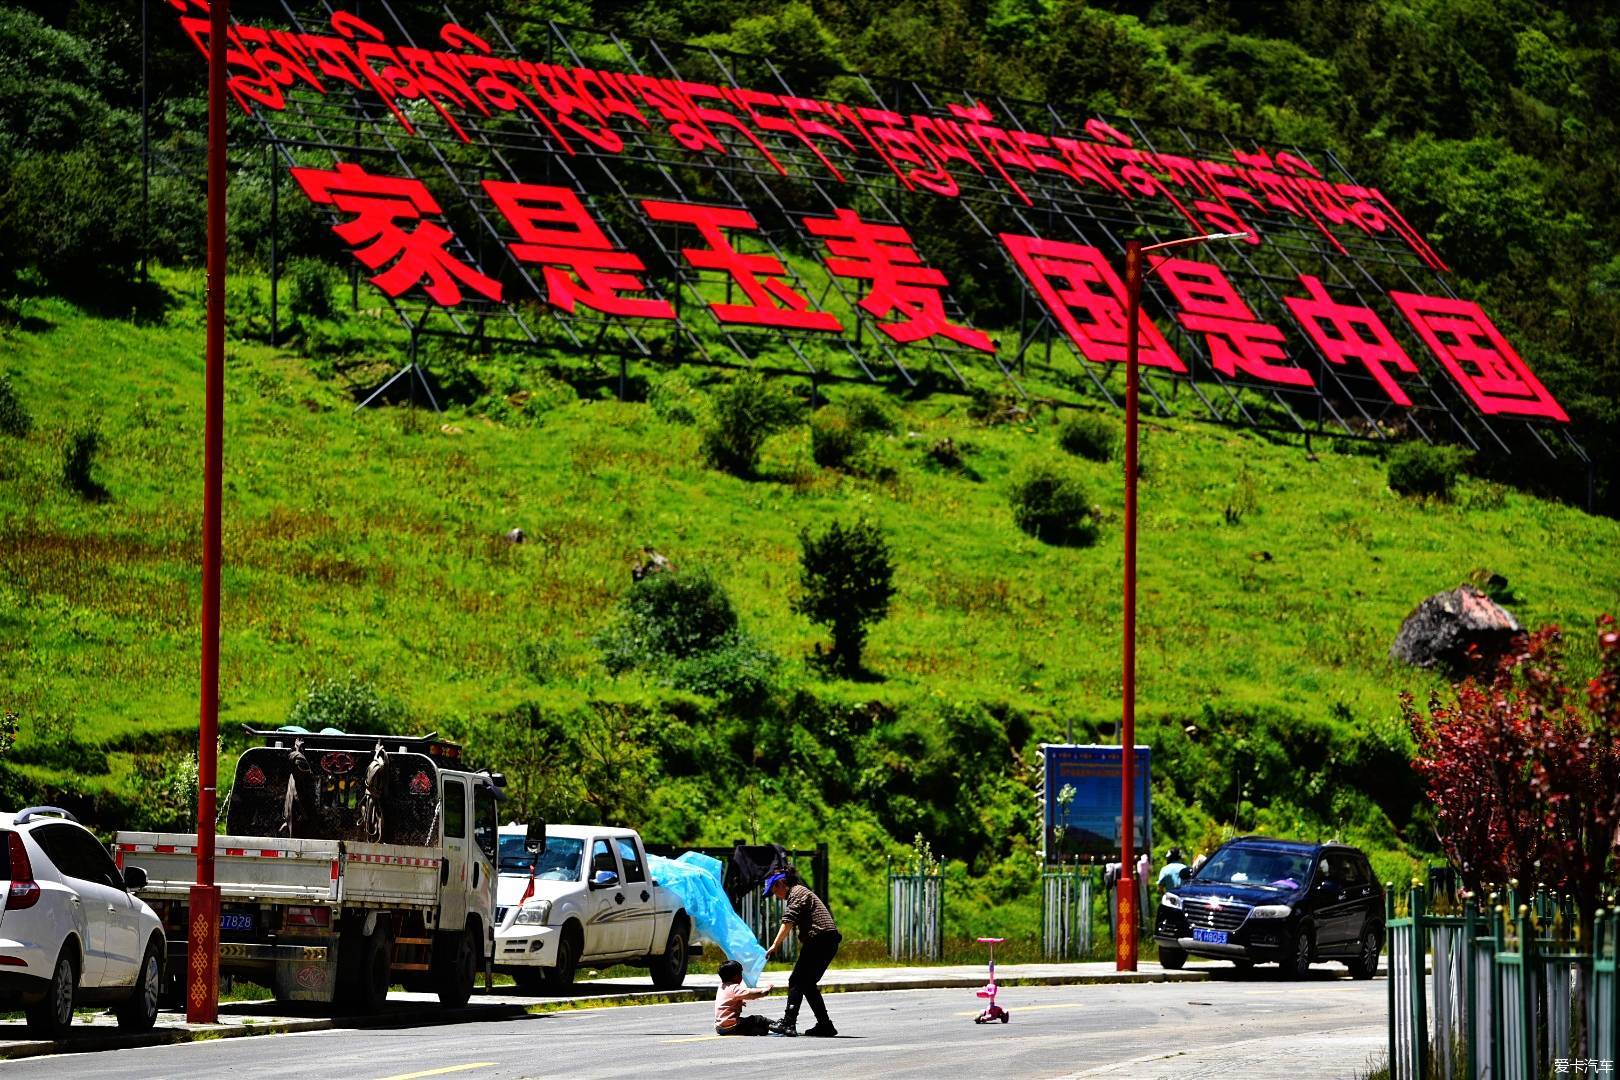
(1125, 903)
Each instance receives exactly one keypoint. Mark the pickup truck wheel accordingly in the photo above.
(50, 1016)
(561, 977)
(1171, 958)
(140, 1011)
(370, 988)
(459, 970)
(669, 970)
(529, 980)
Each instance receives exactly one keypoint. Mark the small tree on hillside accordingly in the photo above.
(742, 415)
(1525, 773)
(847, 577)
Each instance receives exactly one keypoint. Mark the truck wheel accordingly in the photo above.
(561, 977)
(140, 1011)
(50, 1017)
(669, 970)
(458, 969)
(529, 980)
(370, 989)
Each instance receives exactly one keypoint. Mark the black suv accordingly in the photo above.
(1258, 901)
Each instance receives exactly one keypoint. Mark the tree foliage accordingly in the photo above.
(846, 578)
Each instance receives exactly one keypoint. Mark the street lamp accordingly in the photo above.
(1125, 903)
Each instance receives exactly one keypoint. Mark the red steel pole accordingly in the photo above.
(1125, 897)
(202, 954)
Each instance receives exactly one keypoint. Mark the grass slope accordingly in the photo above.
(371, 544)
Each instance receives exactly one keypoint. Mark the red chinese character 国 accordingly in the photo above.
(382, 206)
(762, 278)
(1348, 333)
(1476, 354)
(579, 263)
(885, 256)
(1237, 340)
(1087, 299)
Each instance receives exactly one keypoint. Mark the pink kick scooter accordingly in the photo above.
(992, 1012)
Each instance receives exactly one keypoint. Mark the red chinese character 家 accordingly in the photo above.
(1087, 299)
(579, 263)
(1348, 333)
(885, 256)
(762, 278)
(382, 206)
(1477, 356)
(1237, 340)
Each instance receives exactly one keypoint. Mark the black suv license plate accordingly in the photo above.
(1212, 937)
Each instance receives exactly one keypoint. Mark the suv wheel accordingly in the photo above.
(1365, 965)
(139, 1012)
(1298, 965)
(1171, 959)
(50, 1017)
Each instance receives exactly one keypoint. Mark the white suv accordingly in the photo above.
(72, 930)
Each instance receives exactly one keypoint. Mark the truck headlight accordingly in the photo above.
(534, 914)
(1171, 900)
(1271, 911)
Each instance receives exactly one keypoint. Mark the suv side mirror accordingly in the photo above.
(1186, 873)
(535, 838)
(134, 878)
(604, 879)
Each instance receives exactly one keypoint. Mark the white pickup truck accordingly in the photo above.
(589, 898)
(348, 862)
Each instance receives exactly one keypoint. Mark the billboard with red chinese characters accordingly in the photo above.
(541, 184)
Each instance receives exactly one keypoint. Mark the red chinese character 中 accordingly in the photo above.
(579, 263)
(1348, 333)
(381, 206)
(1477, 356)
(762, 278)
(1087, 299)
(885, 256)
(1237, 340)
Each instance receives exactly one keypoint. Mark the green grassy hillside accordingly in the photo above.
(369, 546)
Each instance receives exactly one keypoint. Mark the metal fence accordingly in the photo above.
(763, 914)
(916, 916)
(1508, 993)
(1066, 913)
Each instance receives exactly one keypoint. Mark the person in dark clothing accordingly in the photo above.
(819, 938)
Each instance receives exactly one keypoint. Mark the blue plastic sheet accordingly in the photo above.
(696, 879)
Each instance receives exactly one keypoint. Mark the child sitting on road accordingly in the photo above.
(728, 1004)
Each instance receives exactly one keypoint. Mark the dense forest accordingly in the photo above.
(1281, 573)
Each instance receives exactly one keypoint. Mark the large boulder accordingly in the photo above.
(1462, 631)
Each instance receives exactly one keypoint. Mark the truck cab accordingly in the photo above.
(584, 894)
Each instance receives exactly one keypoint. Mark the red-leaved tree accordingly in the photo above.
(1524, 774)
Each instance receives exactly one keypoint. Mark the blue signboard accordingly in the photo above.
(1083, 814)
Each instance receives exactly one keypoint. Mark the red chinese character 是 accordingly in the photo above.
(1237, 340)
(762, 278)
(1477, 356)
(1344, 333)
(884, 255)
(580, 264)
(1087, 299)
(381, 205)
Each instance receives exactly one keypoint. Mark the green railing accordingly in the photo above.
(1508, 993)
(1066, 913)
(916, 916)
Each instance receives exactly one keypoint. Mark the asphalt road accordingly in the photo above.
(1252, 1028)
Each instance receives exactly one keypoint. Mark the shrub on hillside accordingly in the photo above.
(1049, 504)
(668, 616)
(79, 462)
(15, 418)
(309, 289)
(1417, 468)
(835, 440)
(1090, 436)
(846, 574)
(352, 706)
(163, 790)
(674, 399)
(742, 415)
(868, 412)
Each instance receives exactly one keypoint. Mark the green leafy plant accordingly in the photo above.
(1418, 468)
(668, 616)
(1090, 436)
(352, 705)
(846, 574)
(79, 462)
(835, 440)
(309, 289)
(1050, 504)
(742, 415)
(14, 416)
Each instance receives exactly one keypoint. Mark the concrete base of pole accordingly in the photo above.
(202, 956)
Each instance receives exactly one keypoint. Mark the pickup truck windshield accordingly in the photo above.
(558, 862)
(1264, 867)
